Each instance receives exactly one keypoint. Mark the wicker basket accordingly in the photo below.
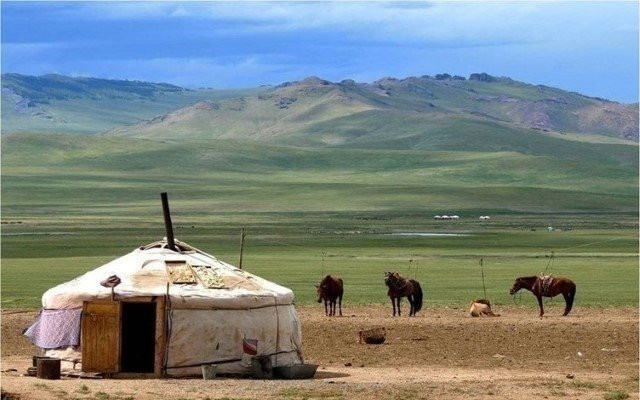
(373, 336)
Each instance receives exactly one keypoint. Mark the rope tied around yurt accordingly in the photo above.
(275, 361)
(168, 328)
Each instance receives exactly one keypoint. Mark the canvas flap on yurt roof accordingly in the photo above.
(189, 277)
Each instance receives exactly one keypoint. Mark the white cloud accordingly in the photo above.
(215, 72)
(26, 49)
(452, 24)
(129, 10)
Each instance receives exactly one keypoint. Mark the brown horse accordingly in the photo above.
(402, 287)
(481, 307)
(549, 287)
(330, 290)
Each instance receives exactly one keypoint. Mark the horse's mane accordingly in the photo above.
(395, 281)
(328, 280)
(528, 278)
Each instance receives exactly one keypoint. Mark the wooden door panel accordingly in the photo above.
(101, 336)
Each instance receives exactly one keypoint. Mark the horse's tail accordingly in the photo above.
(572, 295)
(417, 306)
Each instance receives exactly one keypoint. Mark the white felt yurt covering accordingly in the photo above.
(207, 320)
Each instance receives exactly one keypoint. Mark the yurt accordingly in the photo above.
(166, 309)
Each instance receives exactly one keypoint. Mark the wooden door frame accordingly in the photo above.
(160, 335)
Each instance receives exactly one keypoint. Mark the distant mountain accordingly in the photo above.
(480, 144)
(57, 103)
(441, 112)
(447, 112)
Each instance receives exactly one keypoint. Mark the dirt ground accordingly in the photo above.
(440, 354)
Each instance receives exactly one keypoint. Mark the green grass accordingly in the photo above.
(616, 395)
(84, 389)
(70, 204)
(602, 262)
(66, 175)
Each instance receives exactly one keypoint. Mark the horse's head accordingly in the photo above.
(388, 278)
(517, 285)
(320, 290)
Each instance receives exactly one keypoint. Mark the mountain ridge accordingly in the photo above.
(84, 105)
(311, 111)
(298, 108)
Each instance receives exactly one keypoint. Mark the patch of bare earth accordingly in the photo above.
(442, 354)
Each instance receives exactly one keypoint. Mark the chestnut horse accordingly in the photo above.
(330, 290)
(556, 286)
(402, 287)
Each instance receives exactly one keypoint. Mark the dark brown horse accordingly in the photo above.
(402, 287)
(330, 290)
(550, 287)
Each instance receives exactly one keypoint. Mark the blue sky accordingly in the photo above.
(589, 47)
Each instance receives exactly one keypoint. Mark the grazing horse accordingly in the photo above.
(547, 287)
(330, 290)
(402, 287)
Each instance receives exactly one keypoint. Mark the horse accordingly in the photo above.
(481, 307)
(330, 290)
(547, 287)
(402, 287)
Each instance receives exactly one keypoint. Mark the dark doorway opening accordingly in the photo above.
(137, 352)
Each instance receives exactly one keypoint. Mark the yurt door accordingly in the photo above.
(138, 343)
(101, 336)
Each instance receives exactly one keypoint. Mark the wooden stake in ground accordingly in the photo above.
(549, 263)
(242, 234)
(484, 289)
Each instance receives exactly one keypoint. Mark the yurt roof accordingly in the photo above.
(189, 277)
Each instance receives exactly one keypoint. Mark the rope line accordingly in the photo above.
(589, 244)
(283, 243)
(484, 289)
(549, 263)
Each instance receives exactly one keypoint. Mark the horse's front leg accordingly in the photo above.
(340, 304)
(332, 307)
(393, 304)
(399, 298)
(326, 311)
(540, 304)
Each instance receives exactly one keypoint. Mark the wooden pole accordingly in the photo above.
(549, 263)
(242, 234)
(484, 289)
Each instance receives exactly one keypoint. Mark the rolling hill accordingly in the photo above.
(482, 113)
(62, 104)
(415, 112)
(75, 176)
(411, 146)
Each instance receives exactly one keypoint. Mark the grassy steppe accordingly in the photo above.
(71, 203)
(602, 262)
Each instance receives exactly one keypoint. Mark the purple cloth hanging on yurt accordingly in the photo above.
(56, 328)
